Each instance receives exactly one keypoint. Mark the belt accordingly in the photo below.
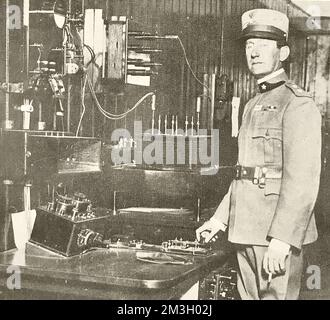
(257, 175)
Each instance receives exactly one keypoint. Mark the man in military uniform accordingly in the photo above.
(268, 209)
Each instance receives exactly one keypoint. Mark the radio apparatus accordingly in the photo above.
(70, 225)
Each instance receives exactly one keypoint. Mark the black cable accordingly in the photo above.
(93, 56)
(90, 50)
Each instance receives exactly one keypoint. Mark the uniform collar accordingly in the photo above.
(272, 81)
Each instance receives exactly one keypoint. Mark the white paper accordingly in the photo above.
(23, 223)
(192, 294)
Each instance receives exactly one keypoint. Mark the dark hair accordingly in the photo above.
(281, 43)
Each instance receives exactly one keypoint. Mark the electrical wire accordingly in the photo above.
(39, 58)
(91, 51)
(93, 57)
(105, 113)
(189, 65)
(83, 93)
(185, 56)
(205, 96)
(68, 31)
(67, 35)
(110, 115)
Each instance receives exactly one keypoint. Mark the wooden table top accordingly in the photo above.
(110, 267)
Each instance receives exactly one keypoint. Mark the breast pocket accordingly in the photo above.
(270, 141)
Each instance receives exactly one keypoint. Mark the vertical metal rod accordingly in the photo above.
(25, 152)
(114, 203)
(182, 96)
(81, 109)
(69, 105)
(188, 90)
(55, 116)
(213, 80)
(26, 23)
(104, 128)
(7, 222)
(116, 108)
(222, 13)
(306, 63)
(153, 123)
(40, 112)
(198, 218)
(205, 102)
(7, 62)
(69, 81)
(70, 7)
(107, 10)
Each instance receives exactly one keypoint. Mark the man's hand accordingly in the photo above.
(208, 231)
(275, 257)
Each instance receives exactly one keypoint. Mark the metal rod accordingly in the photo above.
(153, 122)
(144, 50)
(213, 82)
(7, 224)
(26, 19)
(141, 72)
(205, 107)
(70, 7)
(40, 112)
(198, 123)
(83, 7)
(198, 218)
(144, 64)
(306, 63)
(114, 203)
(55, 116)
(41, 11)
(222, 10)
(116, 109)
(7, 61)
(69, 80)
(25, 152)
(165, 125)
(138, 33)
(176, 125)
(69, 105)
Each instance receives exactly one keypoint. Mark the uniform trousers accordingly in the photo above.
(252, 280)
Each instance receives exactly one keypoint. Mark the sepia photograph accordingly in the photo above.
(165, 155)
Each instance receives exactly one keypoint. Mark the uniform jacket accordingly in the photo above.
(281, 129)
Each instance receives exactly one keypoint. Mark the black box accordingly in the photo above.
(65, 236)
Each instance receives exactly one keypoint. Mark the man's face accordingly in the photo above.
(263, 56)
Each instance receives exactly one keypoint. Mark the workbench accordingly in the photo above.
(111, 274)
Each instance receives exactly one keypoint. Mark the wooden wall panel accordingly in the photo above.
(209, 30)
